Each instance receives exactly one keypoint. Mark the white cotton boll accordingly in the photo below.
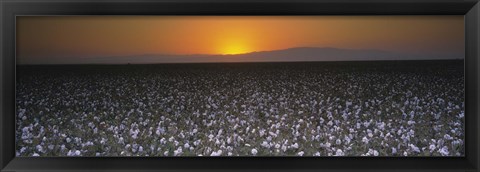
(317, 137)
(316, 154)
(294, 146)
(328, 144)
(412, 114)
(186, 145)
(211, 136)
(394, 151)
(387, 135)
(300, 153)
(447, 137)
(70, 153)
(97, 154)
(78, 140)
(120, 140)
(265, 144)
(159, 131)
(375, 153)
(25, 129)
(229, 153)
(351, 130)
(440, 142)
(296, 135)
(214, 153)
(35, 154)
(405, 153)
(461, 115)
(277, 146)
(261, 132)
(178, 151)
(347, 140)
(338, 142)
(68, 140)
(219, 152)
(284, 148)
(24, 118)
(77, 153)
(444, 151)
(152, 148)
(23, 149)
(365, 140)
(39, 148)
(272, 134)
(457, 142)
(254, 151)
(165, 153)
(330, 123)
(432, 147)
(140, 149)
(339, 152)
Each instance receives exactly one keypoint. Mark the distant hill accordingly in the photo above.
(285, 55)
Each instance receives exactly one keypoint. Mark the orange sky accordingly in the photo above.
(96, 36)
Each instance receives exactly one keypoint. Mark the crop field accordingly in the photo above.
(383, 108)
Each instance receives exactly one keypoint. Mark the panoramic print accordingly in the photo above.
(114, 86)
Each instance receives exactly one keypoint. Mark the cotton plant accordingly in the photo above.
(220, 111)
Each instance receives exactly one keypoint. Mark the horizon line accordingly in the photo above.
(52, 64)
(249, 52)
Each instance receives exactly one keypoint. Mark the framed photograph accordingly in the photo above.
(239, 85)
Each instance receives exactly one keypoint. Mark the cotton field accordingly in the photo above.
(411, 108)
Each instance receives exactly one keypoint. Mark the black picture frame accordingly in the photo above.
(9, 9)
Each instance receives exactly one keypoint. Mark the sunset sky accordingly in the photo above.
(42, 38)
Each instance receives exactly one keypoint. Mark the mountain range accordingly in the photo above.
(285, 55)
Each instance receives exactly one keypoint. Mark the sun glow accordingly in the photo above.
(236, 40)
(235, 49)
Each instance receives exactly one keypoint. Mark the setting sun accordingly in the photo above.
(235, 49)
(237, 40)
